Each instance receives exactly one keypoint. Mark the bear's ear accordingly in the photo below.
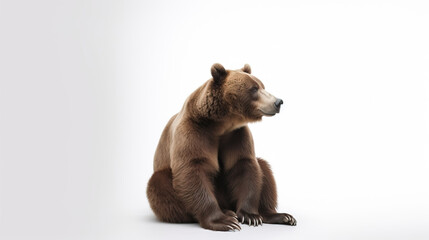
(218, 73)
(246, 69)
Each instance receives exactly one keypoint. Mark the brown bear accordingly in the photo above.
(205, 169)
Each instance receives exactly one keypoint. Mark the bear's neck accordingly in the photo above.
(230, 125)
(218, 127)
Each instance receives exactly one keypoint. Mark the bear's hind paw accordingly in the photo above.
(279, 218)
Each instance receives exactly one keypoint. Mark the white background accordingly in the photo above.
(87, 86)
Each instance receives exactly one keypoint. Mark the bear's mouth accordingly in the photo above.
(267, 114)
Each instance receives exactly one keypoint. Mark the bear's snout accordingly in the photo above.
(277, 104)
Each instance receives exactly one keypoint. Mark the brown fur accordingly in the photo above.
(205, 168)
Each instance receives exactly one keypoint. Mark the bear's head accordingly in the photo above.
(242, 94)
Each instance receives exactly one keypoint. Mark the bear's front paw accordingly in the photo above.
(253, 219)
(225, 222)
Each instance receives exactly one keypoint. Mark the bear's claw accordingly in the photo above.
(288, 219)
(225, 222)
(249, 218)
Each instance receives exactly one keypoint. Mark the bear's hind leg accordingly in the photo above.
(268, 201)
(163, 200)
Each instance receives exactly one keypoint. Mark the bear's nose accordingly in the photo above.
(278, 103)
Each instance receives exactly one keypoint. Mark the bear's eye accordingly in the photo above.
(254, 89)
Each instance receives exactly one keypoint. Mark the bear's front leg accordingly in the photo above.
(194, 184)
(244, 183)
